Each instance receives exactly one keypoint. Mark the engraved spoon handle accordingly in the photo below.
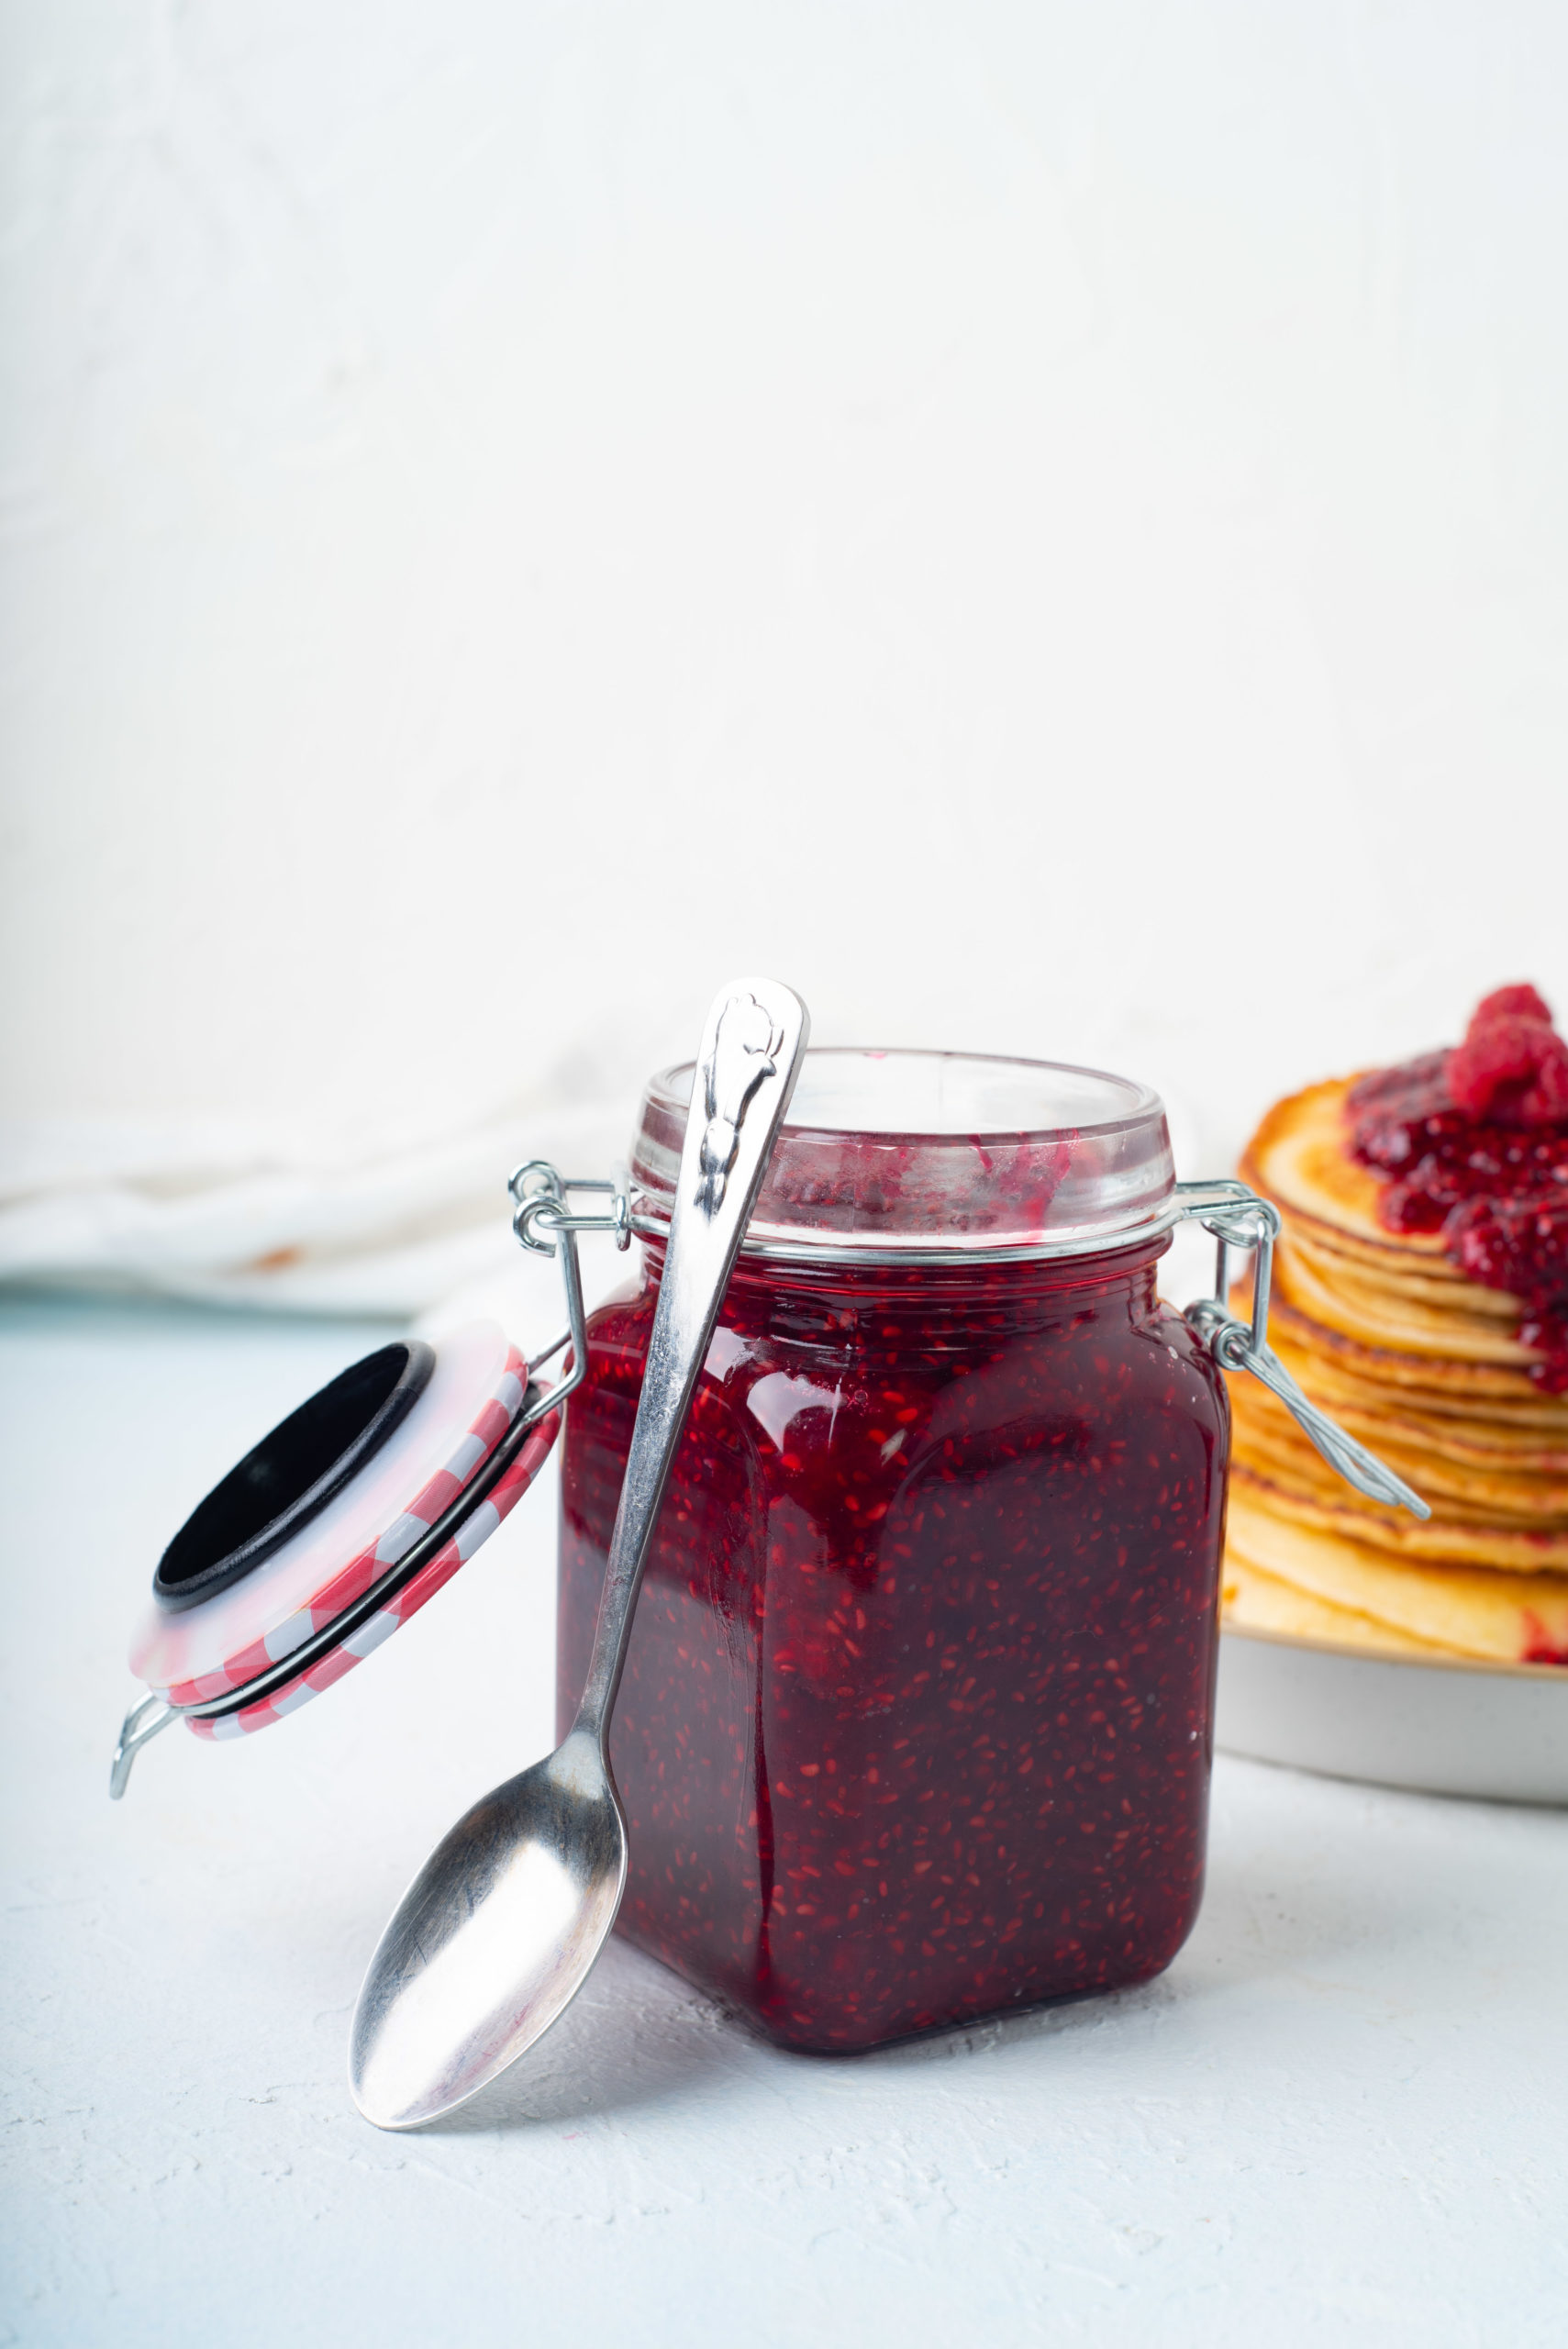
(745, 1072)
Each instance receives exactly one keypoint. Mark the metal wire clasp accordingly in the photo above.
(544, 1222)
(539, 1198)
(1239, 1219)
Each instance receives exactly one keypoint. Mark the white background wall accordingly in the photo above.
(1046, 525)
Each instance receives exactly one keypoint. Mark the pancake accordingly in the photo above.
(1474, 1611)
(1436, 1374)
(1431, 1424)
(1298, 1159)
(1390, 1338)
(1256, 1601)
(1416, 1284)
(1462, 1492)
(1334, 1378)
(1444, 1541)
(1379, 1315)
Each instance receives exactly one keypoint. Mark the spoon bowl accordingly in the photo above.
(501, 1925)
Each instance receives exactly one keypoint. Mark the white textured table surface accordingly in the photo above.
(1340, 2116)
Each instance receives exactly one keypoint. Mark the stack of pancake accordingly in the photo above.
(1425, 1367)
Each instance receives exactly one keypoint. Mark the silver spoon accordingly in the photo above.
(498, 1933)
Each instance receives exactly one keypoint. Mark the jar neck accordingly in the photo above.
(818, 1300)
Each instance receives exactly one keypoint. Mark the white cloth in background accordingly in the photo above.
(213, 1214)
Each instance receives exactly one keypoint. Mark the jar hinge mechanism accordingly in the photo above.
(1238, 1219)
(543, 1221)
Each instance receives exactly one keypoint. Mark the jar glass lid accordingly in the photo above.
(899, 1154)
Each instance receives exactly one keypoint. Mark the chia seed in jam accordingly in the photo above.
(917, 1719)
(1491, 1175)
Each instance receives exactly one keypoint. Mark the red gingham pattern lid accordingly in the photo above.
(481, 1380)
(408, 1602)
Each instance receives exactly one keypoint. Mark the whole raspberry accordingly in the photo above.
(1511, 1070)
(1510, 1003)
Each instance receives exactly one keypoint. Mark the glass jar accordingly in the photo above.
(916, 1721)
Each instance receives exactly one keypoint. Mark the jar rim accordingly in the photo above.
(900, 1154)
(673, 1086)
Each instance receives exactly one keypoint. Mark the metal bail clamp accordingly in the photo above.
(1237, 1218)
(539, 1206)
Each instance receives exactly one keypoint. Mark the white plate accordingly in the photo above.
(1459, 1729)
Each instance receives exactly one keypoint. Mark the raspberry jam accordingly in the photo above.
(916, 1720)
(1474, 1144)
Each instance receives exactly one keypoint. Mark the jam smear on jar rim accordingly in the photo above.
(917, 1719)
(1473, 1143)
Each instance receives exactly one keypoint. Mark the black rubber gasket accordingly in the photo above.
(289, 1478)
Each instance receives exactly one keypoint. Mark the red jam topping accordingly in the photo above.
(915, 1722)
(1474, 1142)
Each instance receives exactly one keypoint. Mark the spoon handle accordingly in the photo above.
(745, 1072)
